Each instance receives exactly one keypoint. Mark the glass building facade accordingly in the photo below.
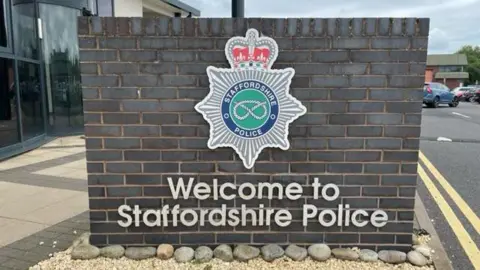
(40, 93)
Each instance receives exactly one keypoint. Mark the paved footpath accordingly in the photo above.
(43, 202)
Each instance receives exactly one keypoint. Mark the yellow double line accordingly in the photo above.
(464, 238)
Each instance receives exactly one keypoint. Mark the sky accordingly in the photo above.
(453, 23)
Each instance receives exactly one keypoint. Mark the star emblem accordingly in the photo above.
(249, 107)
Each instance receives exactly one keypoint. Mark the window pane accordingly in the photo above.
(3, 24)
(62, 68)
(8, 105)
(30, 99)
(105, 8)
(92, 6)
(450, 68)
(25, 31)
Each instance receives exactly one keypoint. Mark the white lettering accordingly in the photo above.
(155, 222)
(270, 187)
(233, 219)
(251, 212)
(294, 191)
(251, 215)
(242, 194)
(309, 211)
(203, 213)
(269, 213)
(261, 217)
(202, 191)
(325, 223)
(222, 191)
(165, 211)
(336, 192)
(175, 212)
(316, 185)
(223, 216)
(180, 187)
(347, 215)
(121, 211)
(185, 221)
(215, 189)
(283, 218)
(340, 215)
(136, 213)
(379, 218)
(355, 221)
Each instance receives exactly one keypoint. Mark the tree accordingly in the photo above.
(473, 58)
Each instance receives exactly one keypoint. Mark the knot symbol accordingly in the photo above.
(250, 111)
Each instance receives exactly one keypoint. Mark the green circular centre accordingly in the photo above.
(249, 109)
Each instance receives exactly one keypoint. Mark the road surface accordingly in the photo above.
(449, 182)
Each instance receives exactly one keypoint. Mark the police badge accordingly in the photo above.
(249, 106)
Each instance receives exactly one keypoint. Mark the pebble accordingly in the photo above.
(245, 253)
(319, 252)
(114, 252)
(224, 253)
(424, 250)
(416, 258)
(85, 252)
(368, 255)
(184, 254)
(203, 254)
(296, 253)
(415, 240)
(84, 238)
(62, 261)
(271, 252)
(165, 251)
(345, 254)
(392, 256)
(140, 253)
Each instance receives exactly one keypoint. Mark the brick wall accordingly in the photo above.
(360, 79)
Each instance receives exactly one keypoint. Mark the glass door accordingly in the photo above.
(62, 68)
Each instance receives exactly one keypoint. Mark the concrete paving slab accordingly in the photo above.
(25, 210)
(61, 210)
(76, 170)
(15, 230)
(23, 207)
(37, 156)
(28, 251)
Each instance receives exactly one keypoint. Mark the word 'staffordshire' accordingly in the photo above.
(243, 215)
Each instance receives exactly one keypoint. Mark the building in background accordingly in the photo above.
(40, 93)
(448, 69)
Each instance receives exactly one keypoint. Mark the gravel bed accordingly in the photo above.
(62, 261)
(424, 239)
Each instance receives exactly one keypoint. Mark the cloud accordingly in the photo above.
(438, 40)
(453, 23)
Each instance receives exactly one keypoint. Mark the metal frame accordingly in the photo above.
(238, 8)
(41, 59)
(112, 5)
(8, 22)
(77, 4)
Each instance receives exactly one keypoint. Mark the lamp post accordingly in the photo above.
(238, 8)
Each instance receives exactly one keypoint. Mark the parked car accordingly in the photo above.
(464, 93)
(476, 96)
(435, 94)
